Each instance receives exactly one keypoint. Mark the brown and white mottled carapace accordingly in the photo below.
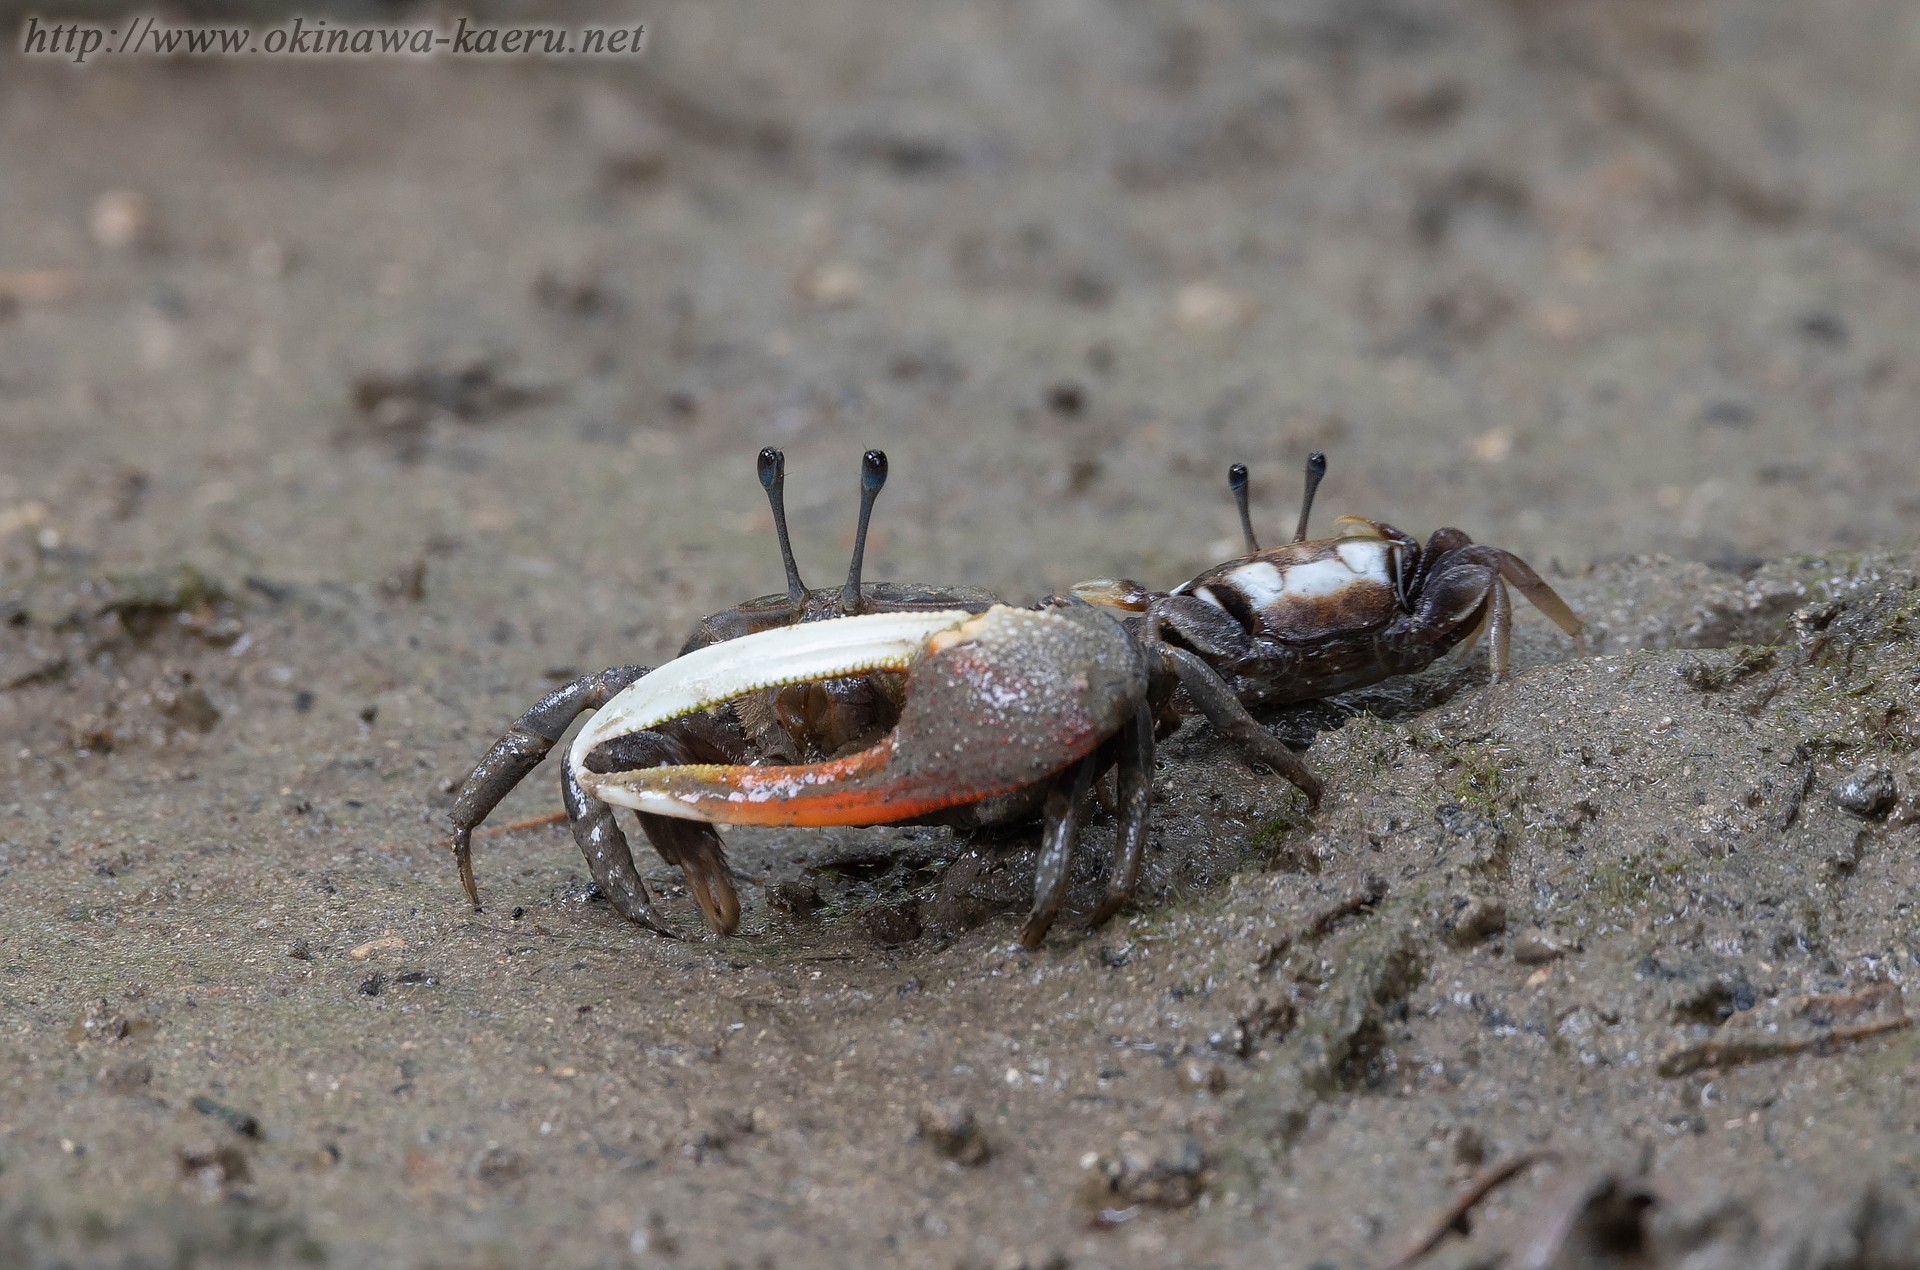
(1303, 590)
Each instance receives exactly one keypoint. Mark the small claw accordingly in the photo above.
(1356, 527)
(1123, 594)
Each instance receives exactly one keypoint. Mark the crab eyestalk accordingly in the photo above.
(873, 477)
(773, 479)
(1316, 468)
(1237, 482)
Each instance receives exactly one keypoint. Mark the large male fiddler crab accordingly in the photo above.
(939, 705)
(870, 704)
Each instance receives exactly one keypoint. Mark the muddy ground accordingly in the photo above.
(348, 408)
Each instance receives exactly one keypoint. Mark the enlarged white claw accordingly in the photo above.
(721, 672)
(994, 702)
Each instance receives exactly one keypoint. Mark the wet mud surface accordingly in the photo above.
(349, 409)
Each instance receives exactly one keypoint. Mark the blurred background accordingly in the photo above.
(1585, 279)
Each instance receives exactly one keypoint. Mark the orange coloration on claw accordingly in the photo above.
(993, 705)
(842, 791)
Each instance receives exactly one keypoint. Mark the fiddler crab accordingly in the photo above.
(890, 703)
(1313, 618)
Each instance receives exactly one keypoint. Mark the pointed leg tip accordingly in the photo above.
(710, 881)
(462, 846)
(649, 921)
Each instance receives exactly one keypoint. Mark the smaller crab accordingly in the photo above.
(1313, 618)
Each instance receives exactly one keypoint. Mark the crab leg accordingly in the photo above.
(520, 751)
(1465, 647)
(1231, 720)
(1064, 808)
(1135, 774)
(608, 857)
(1544, 598)
(1499, 629)
(695, 847)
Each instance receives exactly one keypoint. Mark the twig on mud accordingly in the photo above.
(1371, 892)
(531, 822)
(1796, 792)
(1732, 1051)
(1453, 1217)
(51, 669)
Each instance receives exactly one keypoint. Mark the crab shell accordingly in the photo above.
(1303, 591)
(994, 703)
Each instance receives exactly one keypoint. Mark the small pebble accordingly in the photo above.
(889, 925)
(1906, 808)
(1473, 919)
(1159, 1169)
(1536, 948)
(795, 899)
(120, 219)
(949, 1127)
(1196, 1074)
(1867, 793)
